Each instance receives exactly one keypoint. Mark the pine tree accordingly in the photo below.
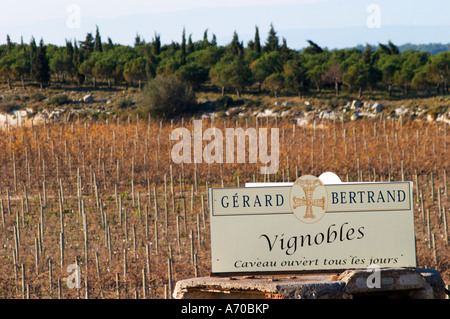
(384, 48)
(272, 40)
(313, 48)
(22, 63)
(367, 54)
(87, 46)
(241, 73)
(394, 49)
(69, 48)
(151, 65)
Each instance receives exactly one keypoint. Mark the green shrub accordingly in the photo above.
(37, 97)
(166, 97)
(8, 107)
(58, 100)
(435, 111)
(223, 103)
(124, 103)
(335, 102)
(306, 107)
(11, 98)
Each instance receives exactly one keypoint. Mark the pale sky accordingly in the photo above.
(31, 11)
(53, 20)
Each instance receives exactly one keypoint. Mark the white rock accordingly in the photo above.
(377, 107)
(88, 98)
(356, 104)
(40, 118)
(443, 118)
(302, 121)
(401, 111)
(267, 113)
(3, 119)
(328, 115)
(355, 116)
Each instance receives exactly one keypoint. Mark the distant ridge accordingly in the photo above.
(432, 48)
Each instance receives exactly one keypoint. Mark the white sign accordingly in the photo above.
(311, 226)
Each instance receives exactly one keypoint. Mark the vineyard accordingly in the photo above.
(105, 196)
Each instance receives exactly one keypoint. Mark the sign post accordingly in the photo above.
(309, 226)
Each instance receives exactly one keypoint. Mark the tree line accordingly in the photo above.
(259, 66)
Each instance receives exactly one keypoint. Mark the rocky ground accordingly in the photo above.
(24, 108)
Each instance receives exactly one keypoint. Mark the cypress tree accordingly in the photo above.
(137, 40)
(98, 41)
(39, 68)
(236, 47)
(183, 48)
(156, 44)
(285, 52)
(214, 40)
(190, 44)
(109, 44)
(205, 42)
(69, 48)
(8, 43)
(69, 57)
(33, 58)
(76, 62)
(257, 41)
